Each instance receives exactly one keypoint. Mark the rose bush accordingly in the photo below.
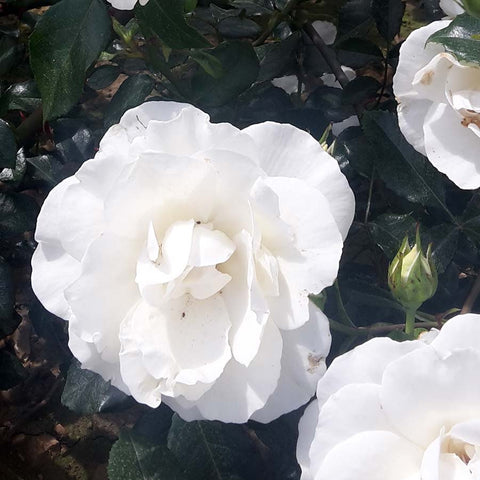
(392, 410)
(439, 106)
(183, 255)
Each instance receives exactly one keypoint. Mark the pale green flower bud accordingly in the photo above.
(412, 276)
(472, 7)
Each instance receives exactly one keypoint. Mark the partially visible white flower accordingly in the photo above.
(183, 255)
(439, 106)
(126, 4)
(451, 8)
(398, 410)
(339, 127)
(327, 30)
(288, 83)
(330, 80)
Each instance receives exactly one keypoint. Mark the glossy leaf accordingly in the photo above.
(388, 16)
(461, 38)
(403, 169)
(135, 457)
(165, 19)
(8, 146)
(132, 92)
(18, 214)
(22, 96)
(86, 392)
(66, 41)
(213, 450)
(240, 65)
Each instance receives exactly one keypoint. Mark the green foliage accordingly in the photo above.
(460, 38)
(8, 146)
(131, 93)
(240, 67)
(164, 18)
(18, 213)
(86, 392)
(66, 41)
(388, 16)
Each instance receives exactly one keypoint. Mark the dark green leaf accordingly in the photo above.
(86, 392)
(280, 438)
(73, 140)
(13, 176)
(155, 424)
(20, 96)
(103, 76)
(132, 92)
(18, 214)
(240, 65)
(10, 53)
(470, 221)
(460, 38)
(66, 41)
(208, 62)
(11, 370)
(165, 19)
(328, 101)
(47, 168)
(360, 90)
(388, 16)
(134, 457)
(213, 450)
(399, 165)
(389, 230)
(8, 320)
(8, 146)
(276, 57)
(352, 146)
(444, 240)
(238, 27)
(357, 52)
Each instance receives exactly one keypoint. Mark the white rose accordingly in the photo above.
(398, 410)
(183, 255)
(451, 8)
(126, 4)
(439, 106)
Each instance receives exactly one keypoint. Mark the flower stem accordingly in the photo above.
(410, 322)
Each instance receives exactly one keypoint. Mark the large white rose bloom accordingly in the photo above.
(183, 255)
(439, 106)
(398, 410)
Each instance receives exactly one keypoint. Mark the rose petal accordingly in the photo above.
(53, 270)
(364, 364)
(452, 147)
(240, 390)
(441, 390)
(279, 146)
(303, 363)
(372, 455)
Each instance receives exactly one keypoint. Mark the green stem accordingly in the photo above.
(276, 19)
(410, 322)
(344, 317)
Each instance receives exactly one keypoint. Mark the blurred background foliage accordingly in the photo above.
(68, 71)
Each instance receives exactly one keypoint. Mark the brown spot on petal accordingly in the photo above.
(427, 78)
(468, 120)
(314, 361)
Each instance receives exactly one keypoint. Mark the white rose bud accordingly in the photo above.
(183, 255)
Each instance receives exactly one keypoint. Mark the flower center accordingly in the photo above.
(184, 262)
